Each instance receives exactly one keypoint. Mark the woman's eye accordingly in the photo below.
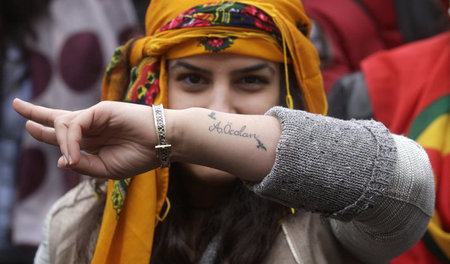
(191, 79)
(252, 82)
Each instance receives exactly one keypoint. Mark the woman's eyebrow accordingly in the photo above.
(190, 67)
(253, 68)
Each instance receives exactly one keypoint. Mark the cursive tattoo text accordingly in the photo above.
(228, 129)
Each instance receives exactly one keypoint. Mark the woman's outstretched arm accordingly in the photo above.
(120, 138)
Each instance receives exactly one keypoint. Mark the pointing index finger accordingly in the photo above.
(38, 114)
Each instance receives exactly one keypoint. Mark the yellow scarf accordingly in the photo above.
(181, 28)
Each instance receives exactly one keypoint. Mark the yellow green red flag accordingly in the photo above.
(409, 88)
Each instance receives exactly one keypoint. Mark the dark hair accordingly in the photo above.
(16, 22)
(16, 25)
(245, 223)
(17, 17)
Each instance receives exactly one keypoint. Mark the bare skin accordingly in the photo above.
(110, 127)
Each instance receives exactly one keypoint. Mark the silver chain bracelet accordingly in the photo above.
(163, 149)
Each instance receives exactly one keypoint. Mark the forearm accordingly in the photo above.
(243, 145)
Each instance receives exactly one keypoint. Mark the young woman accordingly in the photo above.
(249, 181)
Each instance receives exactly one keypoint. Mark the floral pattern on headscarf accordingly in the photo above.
(231, 14)
(120, 189)
(115, 60)
(143, 88)
(144, 82)
(216, 44)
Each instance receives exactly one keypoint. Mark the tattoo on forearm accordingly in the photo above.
(229, 130)
(260, 144)
(212, 115)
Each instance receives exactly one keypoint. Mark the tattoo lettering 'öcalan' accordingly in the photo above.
(228, 129)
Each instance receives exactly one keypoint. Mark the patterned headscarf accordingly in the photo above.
(275, 31)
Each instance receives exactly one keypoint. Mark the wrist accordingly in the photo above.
(183, 133)
(175, 132)
(163, 148)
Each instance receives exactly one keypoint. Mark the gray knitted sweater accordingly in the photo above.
(375, 188)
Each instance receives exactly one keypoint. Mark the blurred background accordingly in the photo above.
(53, 53)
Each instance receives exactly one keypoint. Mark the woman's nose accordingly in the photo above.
(222, 98)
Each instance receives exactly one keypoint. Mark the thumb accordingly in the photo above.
(88, 164)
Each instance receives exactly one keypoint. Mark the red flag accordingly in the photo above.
(409, 89)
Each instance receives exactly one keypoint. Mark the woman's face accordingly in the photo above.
(222, 82)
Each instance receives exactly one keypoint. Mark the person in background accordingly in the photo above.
(15, 27)
(346, 32)
(55, 53)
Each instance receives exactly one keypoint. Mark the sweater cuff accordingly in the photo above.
(329, 166)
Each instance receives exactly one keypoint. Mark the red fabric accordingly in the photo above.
(419, 74)
(353, 33)
(402, 83)
(445, 4)
(385, 15)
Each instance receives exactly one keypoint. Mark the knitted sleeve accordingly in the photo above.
(399, 219)
(372, 186)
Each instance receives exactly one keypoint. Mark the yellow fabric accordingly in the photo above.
(129, 238)
(441, 237)
(433, 137)
(251, 46)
